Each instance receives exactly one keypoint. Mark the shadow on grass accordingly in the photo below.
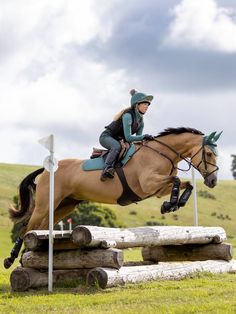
(75, 287)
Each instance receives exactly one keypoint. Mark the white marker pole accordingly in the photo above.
(50, 165)
(195, 209)
(51, 218)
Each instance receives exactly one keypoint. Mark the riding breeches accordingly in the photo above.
(107, 141)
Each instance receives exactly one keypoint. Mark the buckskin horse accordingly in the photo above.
(151, 171)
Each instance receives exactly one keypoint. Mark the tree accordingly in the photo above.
(88, 213)
(233, 166)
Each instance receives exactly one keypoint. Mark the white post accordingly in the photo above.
(69, 220)
(195, 209)
(51, 218)
(50, 164)
(61, 225)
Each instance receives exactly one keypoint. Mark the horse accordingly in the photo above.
(150, 172)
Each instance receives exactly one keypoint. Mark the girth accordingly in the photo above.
(128, 196)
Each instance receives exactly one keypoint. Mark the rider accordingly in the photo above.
(125, 124)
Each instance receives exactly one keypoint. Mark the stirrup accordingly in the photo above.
(107, 173)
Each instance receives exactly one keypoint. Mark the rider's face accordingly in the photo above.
(143, 107)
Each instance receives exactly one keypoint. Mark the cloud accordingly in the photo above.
(136, 43)
(203, 25)
(47, 86)
(67, 68)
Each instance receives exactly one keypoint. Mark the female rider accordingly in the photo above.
(126, 123)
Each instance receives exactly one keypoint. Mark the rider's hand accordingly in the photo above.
(148, 137)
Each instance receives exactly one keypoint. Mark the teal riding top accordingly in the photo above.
(127, 124)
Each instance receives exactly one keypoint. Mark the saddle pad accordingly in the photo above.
(98, 163)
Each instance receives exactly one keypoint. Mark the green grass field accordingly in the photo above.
(202, 293)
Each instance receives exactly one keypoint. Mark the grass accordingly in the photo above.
(202, 293)
(193, 295)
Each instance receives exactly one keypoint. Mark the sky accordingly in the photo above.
(67, 68)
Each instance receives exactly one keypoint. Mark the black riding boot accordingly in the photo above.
(108, 171)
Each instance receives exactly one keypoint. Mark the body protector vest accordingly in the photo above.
(116, 129)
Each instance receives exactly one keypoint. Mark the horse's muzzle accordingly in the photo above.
(211, 180)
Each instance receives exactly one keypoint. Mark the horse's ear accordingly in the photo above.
(211, 136)
(216, 137)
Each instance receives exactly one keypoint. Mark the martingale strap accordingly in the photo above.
(128, 196)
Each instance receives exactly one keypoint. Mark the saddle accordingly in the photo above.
(97, 152)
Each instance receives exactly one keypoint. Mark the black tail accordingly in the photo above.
(26, 190)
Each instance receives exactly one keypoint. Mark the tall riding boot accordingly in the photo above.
(108, 171)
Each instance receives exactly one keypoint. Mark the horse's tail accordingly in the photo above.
(26, 189)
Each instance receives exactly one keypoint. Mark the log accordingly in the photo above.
(107, 277)
(188, 252)
(38, 240)
(92, 236)
(74, 259)
(23, 279)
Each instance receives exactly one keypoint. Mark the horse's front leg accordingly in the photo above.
(175, 201)
(152, 183)
(160, 185)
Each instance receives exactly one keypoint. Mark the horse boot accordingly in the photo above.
(185, 195)
(14, 253)
(172, 205)
(109, 171)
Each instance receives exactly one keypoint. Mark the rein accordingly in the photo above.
(190, 163)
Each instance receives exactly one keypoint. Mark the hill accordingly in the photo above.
(216, 207)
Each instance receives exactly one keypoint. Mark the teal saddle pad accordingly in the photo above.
(99, 164)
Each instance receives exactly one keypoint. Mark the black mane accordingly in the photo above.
(180, 130)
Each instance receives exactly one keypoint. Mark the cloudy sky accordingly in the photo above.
(67, 68)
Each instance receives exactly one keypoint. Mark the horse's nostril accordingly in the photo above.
(213, 182)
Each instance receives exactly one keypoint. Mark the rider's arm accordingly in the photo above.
(140, 129)
(127, 122)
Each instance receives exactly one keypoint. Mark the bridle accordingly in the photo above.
(205, 162)
(189, 162)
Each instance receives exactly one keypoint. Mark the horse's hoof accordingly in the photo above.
(7, 262)
(166, 207)
(175, 208)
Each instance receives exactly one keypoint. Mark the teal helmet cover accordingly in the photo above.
(137, 97)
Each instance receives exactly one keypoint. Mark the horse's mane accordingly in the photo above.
(180, 130)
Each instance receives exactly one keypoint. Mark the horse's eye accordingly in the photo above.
(209, 154)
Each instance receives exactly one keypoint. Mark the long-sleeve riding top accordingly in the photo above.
(130, 123)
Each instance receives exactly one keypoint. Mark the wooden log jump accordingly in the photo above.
(188, 252)
(95, 252)
(74, 259)
(107, 277)
(91, 236)
(23, 279)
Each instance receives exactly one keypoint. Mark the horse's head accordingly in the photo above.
(204, 159)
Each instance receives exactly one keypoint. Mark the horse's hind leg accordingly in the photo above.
(40, 215)
(14, 253)
(64, 209)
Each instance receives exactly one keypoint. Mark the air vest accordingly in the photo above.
(116, 129)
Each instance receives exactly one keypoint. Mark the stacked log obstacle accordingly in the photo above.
(95, 254)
